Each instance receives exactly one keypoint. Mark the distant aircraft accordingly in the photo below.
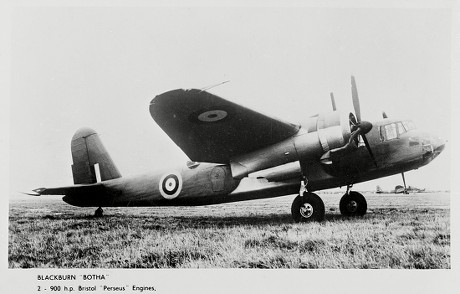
(239, 154)
(400, 190)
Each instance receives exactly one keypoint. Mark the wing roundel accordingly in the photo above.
(211, 129)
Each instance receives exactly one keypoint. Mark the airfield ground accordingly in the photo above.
(399, 231)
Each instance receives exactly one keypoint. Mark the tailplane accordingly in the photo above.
(90, 159)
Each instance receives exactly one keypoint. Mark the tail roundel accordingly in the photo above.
(90, 158)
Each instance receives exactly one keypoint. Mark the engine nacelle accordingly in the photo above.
(317, 136)
(325, 132)
(333, 130)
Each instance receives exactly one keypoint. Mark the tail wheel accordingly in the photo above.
(353, 204)
(308, 208)
(99, 212)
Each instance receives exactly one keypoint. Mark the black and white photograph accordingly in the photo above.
(229, 146)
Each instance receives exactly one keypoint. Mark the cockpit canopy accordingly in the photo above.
(393, 130)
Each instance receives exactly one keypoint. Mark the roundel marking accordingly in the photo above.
(212, 115)
(170, 185)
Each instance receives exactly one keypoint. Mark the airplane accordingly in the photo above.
(238, 154)
(400, 190)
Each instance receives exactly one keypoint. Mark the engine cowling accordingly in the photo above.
(322, 133)
(333, 130)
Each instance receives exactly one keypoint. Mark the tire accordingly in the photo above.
(353, 204)
(99, 212)
(308, 208)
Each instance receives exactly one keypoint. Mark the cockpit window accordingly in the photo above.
(401, 128)
(388, 132)
(394, 130)
(408, 125)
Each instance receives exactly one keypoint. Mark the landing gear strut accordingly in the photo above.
(353, 203)
(307, 206)
(99, 212)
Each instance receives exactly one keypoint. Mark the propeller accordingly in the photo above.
(334, 108)
(362, 127)
(354, 96)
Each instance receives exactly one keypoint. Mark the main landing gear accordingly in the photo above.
(352, 203)
(307, 206)
(99, 212)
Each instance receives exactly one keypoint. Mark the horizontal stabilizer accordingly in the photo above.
(62, 190)
(35, 192)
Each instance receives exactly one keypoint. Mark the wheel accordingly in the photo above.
(99, 212)
(308, 208)
(353, 204)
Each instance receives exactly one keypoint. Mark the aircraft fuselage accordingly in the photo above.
(209, 183)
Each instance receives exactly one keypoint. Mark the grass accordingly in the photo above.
(403, 231)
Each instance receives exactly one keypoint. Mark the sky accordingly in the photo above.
(100, 67)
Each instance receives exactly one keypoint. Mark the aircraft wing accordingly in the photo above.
(211, 129)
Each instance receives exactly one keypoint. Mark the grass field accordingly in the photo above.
(399, 231)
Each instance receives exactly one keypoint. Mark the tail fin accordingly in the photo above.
(88, 153)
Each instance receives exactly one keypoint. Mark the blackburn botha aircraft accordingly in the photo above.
(239, 154)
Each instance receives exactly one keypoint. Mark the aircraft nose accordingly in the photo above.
(438, 145)
(434, 146)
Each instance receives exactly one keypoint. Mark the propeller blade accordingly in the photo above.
(369, 149)
(364, 126)
(334, 108)
(384, 114)
(354, 95)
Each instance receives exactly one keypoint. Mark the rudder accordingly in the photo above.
(87, 151)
